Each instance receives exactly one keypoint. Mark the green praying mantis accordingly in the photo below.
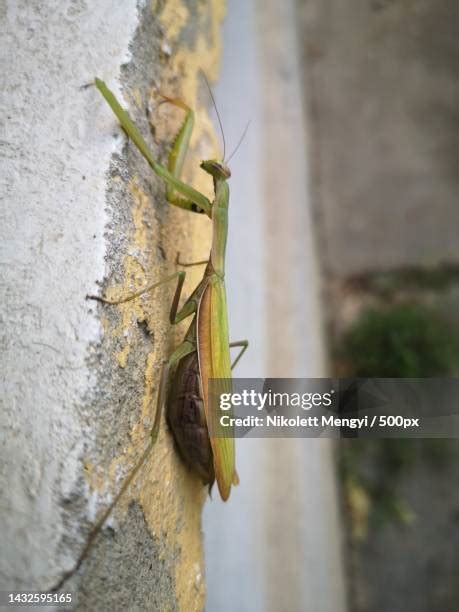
(204, 354)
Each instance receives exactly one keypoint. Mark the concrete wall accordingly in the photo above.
(82, 213)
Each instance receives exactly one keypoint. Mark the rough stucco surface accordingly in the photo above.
(80, 380)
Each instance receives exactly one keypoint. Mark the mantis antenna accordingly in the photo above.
(220, 123)
(218, 114)
(241, 139)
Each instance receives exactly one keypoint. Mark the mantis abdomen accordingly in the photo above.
(187, 420)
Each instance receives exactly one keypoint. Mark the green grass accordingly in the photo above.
(403, 341)
(400, 341)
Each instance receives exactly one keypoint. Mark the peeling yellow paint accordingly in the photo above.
(174, 17)
(121, 356)
(134, 274)
(171, 497)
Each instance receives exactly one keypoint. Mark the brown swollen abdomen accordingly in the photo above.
(187, 419)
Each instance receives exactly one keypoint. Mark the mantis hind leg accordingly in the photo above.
(244, 344)
(178, 354)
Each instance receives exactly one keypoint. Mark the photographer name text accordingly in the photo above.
(315, 421)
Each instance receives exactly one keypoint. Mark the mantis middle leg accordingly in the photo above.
(244, 344)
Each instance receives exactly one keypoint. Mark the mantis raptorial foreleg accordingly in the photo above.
(177, 157)
(179, 194)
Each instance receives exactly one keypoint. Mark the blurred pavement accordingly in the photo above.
(276, 544)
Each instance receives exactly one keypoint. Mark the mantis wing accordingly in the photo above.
(215, 362)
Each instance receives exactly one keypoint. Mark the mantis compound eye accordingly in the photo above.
(217, 169)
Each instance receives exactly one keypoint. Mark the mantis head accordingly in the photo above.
(217, 169)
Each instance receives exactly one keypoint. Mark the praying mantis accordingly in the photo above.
(204, 354)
